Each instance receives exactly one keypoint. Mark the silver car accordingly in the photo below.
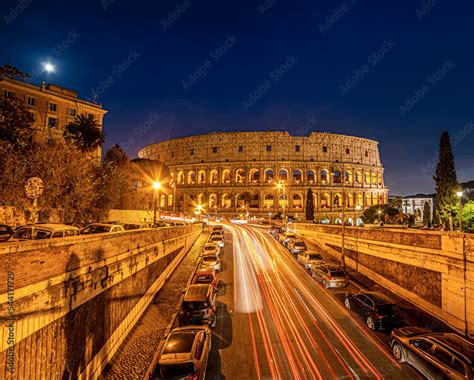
(211, 260)
(44, 231)
(310, 259)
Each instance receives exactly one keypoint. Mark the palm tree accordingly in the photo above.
(85, 133)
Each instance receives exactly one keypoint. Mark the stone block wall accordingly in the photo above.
(67, 304)
(433, 270)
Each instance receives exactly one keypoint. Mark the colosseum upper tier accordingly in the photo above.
(261, 172)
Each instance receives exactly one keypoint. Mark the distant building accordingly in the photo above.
(415, 204)
(52, 106)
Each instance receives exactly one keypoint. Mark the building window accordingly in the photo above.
(269, 148)
(172, 154)
(33, 116)
(348, 151)
(325, 149)
(297, 148)
(9, 93)
(52, 122)
(31, 101)
(241, 148)
(366, 153)
(71, 112)
(53, 107)
(215, 149)
(192, 151)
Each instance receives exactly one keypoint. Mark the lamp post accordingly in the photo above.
(343, 229)
(281, 186)
(174, 197)
(358, 208)
(379, 212)
(459, 194)
(156, 189)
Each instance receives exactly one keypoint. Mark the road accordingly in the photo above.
(276, 322)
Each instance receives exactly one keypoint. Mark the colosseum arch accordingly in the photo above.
(283, 175)
(297, 176)
(170, 200)
(269, 175)
(336, 176)
(212, 200)
(240, 175)
(162, 200)
(201, 199)
(311, 176)
(347, 177)
(180, 178)
(214, 177)
(325, 200)
(360, 200)
(368, 199)
(254, 201)
(240, 200)
(349, 200)
(297, 201)
(226, 201)
(226, 176)
(201, 177)
(283, 200)
(254, 176)
(358, 176)
(367, 177)
(337, 200)
(323, 175)
(191, 177)
(268, 200)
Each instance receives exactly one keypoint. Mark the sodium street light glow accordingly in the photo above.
(459, 194)
(156, 185)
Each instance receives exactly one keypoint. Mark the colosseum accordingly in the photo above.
(267, 173)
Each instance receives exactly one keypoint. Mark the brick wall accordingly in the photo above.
(76, 299)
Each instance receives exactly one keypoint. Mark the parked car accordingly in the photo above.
(218, 228)
(135, 226)
(377, 310)
(211, 248)
(99, 228)
(211, 260)
(331, 276)
(44, 231)
(435, 355)
(285, 239)
(185, 354)
(310, 259)
(296, 246)
(159, 224)
(199, 305)
(205, 276)
(5, 232)
(217, 239)
(275, 230)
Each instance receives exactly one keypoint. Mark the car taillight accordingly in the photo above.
(379, 317)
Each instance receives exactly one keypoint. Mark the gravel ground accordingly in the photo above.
(134, 356)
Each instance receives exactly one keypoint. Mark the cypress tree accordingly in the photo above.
(309, 205)
(446, 182)
(426, 213)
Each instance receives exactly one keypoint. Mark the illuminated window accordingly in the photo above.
(53, 107)
(31, 101)
(325, 149)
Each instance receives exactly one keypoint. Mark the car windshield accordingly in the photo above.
(315, 256)
(209, 248)
(209, 258)
(25, 233)
(195, 305)
(299, 244)
(290, 236)
(338, 273)
(173, 371)
(216, 238)
(96, 229)
(204, 279)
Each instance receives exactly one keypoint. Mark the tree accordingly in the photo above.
(116, 155)
(309, 205)
(446, 182)
(85, 133)
(426, 213)
(15, 122)
(468, 216)
(13, 72)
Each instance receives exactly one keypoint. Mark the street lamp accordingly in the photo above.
(379, 212)
(280, 186)
(460, 194)
(156, 189)
(358, 208)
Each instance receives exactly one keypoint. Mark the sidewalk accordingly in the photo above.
(134, 356)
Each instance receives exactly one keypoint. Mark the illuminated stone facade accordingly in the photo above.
(51, 106)
(239, 172)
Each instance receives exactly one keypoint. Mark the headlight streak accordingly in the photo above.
(348, 344)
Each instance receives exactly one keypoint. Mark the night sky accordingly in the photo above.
(399, 72)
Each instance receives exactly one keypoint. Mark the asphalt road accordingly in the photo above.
(276, 322)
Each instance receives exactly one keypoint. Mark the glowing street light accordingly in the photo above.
(460, 194)
(156, 187)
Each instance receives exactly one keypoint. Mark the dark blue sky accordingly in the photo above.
(351, 65)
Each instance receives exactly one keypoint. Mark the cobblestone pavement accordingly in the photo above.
(134, 356)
